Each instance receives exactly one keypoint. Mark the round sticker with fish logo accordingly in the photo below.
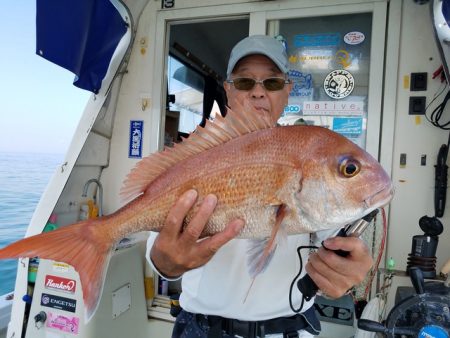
(339, 84)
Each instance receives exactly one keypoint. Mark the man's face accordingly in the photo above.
(258, 67)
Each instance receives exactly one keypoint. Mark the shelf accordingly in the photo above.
(160, 309)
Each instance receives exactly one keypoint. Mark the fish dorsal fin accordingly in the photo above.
(221, 130)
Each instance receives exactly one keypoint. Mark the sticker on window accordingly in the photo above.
(350, 127)
(310, 40)
(348, 108)
(354, 38)
(339, 84)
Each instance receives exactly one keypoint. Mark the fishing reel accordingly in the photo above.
(425, 314)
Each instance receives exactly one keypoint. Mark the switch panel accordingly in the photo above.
(417, 105)
(418, 82)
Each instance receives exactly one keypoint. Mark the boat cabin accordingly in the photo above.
(156, 71)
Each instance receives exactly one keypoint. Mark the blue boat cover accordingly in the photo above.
(80, 36)
(446, 10)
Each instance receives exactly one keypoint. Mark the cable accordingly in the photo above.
(434, 98)
(296, 277)
(436, 114)
(380, 255)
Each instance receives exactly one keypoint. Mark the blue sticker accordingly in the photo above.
(349, 127)
(302, 84)
(432, 331)
(311, 40)
(292, 109)
(135, 145)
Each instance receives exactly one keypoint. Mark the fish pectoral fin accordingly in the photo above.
(260, 252)
(257, 260)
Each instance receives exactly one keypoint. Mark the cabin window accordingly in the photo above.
(186, 94)
(190, 93)
(197, 58)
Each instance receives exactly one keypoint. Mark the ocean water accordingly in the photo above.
(23, 179)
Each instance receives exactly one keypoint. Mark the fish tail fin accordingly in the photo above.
(80, 245)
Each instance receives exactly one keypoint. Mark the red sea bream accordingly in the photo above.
(279, 180)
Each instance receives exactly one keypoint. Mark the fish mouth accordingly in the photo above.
(381, 198)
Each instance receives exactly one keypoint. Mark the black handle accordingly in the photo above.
(417, 279)
(372, 326)
(440, 188)
(306, 285)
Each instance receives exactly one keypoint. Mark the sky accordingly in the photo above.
(39, 106)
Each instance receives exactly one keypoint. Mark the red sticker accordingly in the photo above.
(354, 38)
(60, 283)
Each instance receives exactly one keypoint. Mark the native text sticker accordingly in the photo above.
(354, 38)
(339, 84)
(63, 323)
(347, 108)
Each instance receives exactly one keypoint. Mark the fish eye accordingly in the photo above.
(349, 167)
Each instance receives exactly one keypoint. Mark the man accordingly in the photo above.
(215, 277)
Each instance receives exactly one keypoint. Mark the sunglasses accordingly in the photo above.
(271, 84)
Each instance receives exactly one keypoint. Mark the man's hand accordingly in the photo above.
(334, 274)
(177, 250)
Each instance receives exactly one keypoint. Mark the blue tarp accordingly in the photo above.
(80, 36)
(446, 10)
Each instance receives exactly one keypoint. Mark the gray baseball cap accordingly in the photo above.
(259, 44)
